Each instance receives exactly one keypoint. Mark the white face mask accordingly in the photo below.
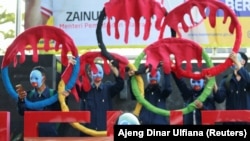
(155, 79)
(97, 76)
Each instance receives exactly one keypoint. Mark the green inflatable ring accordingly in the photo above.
(189, 108)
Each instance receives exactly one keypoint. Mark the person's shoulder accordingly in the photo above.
(108, 82)
(30, 93)
(52, 91)
(226, 75)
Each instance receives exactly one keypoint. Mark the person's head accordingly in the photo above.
(197, 85)
(243, 58)
(97, 75)
(37, 76)
(127, 119)
(155, 79)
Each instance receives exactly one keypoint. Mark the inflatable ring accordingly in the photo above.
(213, 5)
(189, 108)
(141, 88)
(31, 37)
(61, 88)
(88, 59)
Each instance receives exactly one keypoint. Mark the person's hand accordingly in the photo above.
(20, 91)
(72, 60)
(131, 72)
(215, 87)
(198, 104)
(236, 62)
(114, 68)
(114, 63)
(143, 69)
(233, 56)
(66, 93)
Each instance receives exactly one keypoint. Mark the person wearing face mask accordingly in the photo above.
(190, 94)
(40, 92)
(156, 93)
(235, 87)
(98, 100)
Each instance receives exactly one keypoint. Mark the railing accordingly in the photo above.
(31, 119)
(209, 117)
(4, 126)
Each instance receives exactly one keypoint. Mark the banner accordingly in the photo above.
(79, 19)
(220, 36)
(80, 23)
(242, 11)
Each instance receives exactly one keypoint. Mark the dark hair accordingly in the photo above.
(244, 57)
(41, 69)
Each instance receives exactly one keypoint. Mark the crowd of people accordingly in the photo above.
(233, 89)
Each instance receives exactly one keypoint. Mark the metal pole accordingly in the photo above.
(18, 16)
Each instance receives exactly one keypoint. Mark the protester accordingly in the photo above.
(234, 88)
(98, 100)
(190, 94)
(40, 92)
(156, 92)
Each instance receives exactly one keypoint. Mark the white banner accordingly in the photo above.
(79, 19)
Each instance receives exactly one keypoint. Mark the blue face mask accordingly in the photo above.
(197, 84)
(36, 78)
(98, 75)
(155, 79)
(233, 67)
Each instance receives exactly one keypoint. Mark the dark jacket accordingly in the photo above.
(156, 95)
(98, 101)
(236, 93)
(44, 129)
(189, 96)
